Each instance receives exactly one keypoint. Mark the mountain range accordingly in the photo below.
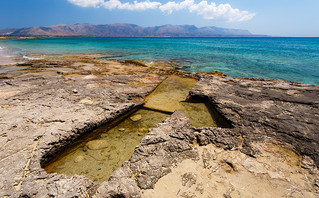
(126, 30)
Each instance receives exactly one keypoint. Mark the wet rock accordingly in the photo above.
(78, 159)
(97, 144)
(136, 117)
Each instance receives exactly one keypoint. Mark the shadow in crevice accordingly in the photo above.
(220, 119)
(81, 136)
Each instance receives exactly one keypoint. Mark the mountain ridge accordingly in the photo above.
(126, 30)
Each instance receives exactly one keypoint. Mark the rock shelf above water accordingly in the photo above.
(273, 138)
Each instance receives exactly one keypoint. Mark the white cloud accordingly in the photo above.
(170, 6)
(207, 10)
(86, 3)
(221, 12)
(144, 5)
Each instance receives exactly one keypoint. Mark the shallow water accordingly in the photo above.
(294, 59)
(97, 159)
(168, 95)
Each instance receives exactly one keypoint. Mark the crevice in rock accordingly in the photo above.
(110, 145)
(221, 120)
(81, 135)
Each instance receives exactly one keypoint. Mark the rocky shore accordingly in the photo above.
(270, 148)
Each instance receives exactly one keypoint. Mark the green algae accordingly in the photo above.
(98, 158)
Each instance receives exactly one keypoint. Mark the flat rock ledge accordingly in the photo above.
(273, 134)
(259, 109)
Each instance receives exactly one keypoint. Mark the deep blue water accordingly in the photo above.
(293, 59)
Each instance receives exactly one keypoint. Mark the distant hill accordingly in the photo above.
(126, 30)
(7, 31)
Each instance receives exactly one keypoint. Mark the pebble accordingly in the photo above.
(136, 117)
(78, 158)
(97, 144)
(121, 129)
(75, 91)
(142, 130)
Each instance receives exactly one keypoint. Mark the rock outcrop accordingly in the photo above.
(259, 109)
(166, 145)
(272, 139)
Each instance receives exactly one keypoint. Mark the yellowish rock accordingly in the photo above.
(86, 101)
(136, 117)
(97, 144)
(78, 159)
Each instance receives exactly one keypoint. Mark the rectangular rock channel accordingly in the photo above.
(98, 158)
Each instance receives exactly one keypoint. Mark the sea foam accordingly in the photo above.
(31, 58)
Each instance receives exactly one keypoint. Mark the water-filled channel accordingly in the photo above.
(98, 158)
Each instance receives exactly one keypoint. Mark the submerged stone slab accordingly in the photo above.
(164, 99)
(97, 144)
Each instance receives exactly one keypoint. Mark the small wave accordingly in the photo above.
(1, 48)
(31, 58)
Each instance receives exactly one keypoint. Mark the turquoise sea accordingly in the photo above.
(293, 59)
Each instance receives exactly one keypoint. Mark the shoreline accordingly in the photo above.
(7, 59)
(195, 55)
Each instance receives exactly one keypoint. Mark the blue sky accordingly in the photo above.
(271, 17)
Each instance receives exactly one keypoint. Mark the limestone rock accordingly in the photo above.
(78, 158)
(97, 144)
(259, 109)
(136, 117)
(125, 188)
(189, 179)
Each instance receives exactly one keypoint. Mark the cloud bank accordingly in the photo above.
(205, 9)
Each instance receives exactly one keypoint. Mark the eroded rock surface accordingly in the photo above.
(258, 109)
(165, 146)
(40, 113)
(51, 103)
(220, 173)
